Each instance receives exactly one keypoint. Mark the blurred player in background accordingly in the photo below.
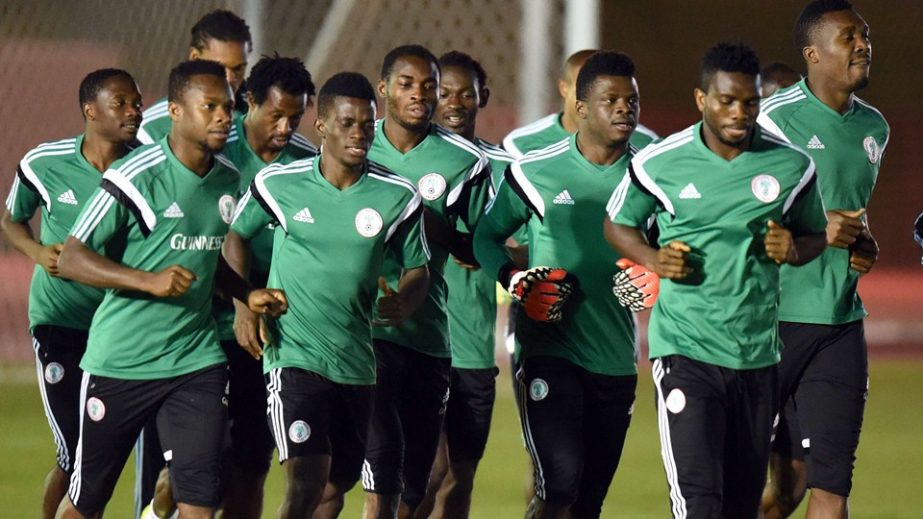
(777, 75)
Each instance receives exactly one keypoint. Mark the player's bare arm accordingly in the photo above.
(262, 301)
(668, 262)
(236, 251)
(459, 245)
(783, 247)
(19, 235)
(396, 306)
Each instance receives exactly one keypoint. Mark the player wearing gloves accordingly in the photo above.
(636, 286)
(576, 346)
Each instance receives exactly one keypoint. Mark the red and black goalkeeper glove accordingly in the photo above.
(635, 285)
(542, 291)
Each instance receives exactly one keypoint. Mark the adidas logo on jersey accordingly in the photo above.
(815, 144)
(690, 192)
(173, 211)
(68, 197)
(564, 198)
(304, 216)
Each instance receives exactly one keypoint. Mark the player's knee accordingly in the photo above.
(557, 494)
(305, 480)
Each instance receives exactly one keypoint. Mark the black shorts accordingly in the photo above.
(191, 419)
(823, 380)
(574, 423)
(58, 351)
(310, 414)
(715, 428)
(251, 442)
(408, 406)
(468, 414)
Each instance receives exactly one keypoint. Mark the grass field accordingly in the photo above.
(888, 482)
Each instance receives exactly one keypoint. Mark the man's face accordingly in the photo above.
(842, 49)
(273, 122)
(410, 92)
(610, 112)
(730, 106)
(116, 111)
(347, 129)
(459, 100)
(231, 54)
(203, 114)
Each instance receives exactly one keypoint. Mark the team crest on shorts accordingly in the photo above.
(368, 222)
(226, 206)
(872, 149)
(538, 389)
(96, 409)
(676, 401)
(765, 188)
(54, 372)
(299, 431)
(431, 186)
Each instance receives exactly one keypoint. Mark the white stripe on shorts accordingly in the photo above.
(666, 446)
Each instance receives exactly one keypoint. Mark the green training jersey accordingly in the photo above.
(248, 163)
(561, 197)
(162, 214)
(548, 130)
(725, 312)
(453, 177)
(472, 299)
(847, 149)
(56, 177)
(328, 253)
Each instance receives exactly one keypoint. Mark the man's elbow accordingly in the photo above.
(68, 259)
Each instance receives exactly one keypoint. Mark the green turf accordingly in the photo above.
(887, 483)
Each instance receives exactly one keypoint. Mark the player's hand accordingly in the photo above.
(542, 291)
(172, 281)
(671, 260)
(635, 286)
(48, 258)
(843, 227)
(391, 309)
(246, 328)
(267, 301)
(863, 253)
(780, 246)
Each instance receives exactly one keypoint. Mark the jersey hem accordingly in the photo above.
(730, 365)
(814, 319)
(153, 375)
(349, 381)
(620, 372)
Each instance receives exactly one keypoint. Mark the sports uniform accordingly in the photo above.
(548, 130)
(452, 176)
(157, 123)
(577, 376)
(149, 356)
(713, 335)
(824, 369)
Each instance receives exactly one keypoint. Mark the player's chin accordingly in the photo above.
(215, 143)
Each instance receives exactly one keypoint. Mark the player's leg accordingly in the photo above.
(438, 475)
(552, 415)
(58, 352)
(191, 423)
(608, 404)
(787, 482)
(153, 498)
(691, 417)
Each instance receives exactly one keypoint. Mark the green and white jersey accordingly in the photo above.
(725, 312)
(248, 163)
(56, 177)
(548, 130)
(329, 250)
(158, 213)
(561, 197)
(847, 149)
(453, 177)
(156, 122)
(472, 300)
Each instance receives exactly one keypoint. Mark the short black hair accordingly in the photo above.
(728, 57)
(602, 63)
(345, 84)
(414, 50)
(809, 18)
(222, 25)
(182, 73)
(288, 74)
(456, 58)
(93, 83)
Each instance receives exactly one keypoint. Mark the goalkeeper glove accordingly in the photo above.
(635, 285)
(542, 291)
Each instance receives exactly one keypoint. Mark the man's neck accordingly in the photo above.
(599, 153)
(191, 155)
(404, 139)
(101, 153)
(338, 174)
(725, 151)
(265, 154)
(569, 122)
(828, 94)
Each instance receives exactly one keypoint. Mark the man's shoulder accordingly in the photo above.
(548, 158)
(532, 136)
(455, 147)
(48, 154)
(671, 147)
(390, 183)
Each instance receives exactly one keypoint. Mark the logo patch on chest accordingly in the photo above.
(872, 149)
(564, 198)
(226, 206)
(765, 188)
(173, 211)
(68, 197)
(690, 192)
(431, 186)
(369, 222)
(303, 216)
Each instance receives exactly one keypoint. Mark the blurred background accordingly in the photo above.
(47, 46)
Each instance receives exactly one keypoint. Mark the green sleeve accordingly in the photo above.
(251, 217)
(807, 214)
(631, 204)
(476, 192)
(100, 220)
(408, 243)
(505, 214)
(23, 199)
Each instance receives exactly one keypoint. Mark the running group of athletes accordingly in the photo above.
(224, 289)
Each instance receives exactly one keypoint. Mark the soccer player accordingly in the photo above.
(577, 373)
(777, 75)
(220, 36)
(414, 357)
(338, 216)
(163, 210)
(59, 177)
(553, 128)
(732, 203)
(824, 371)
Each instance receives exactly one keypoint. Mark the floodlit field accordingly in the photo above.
(888, 484)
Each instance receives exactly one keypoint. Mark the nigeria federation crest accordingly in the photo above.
(54, 372)
(226, 206)
(96, 410)
(872, 149)
(431, 186)
(765, 188)
(299, 431)
(368, 222)
(538, 389)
